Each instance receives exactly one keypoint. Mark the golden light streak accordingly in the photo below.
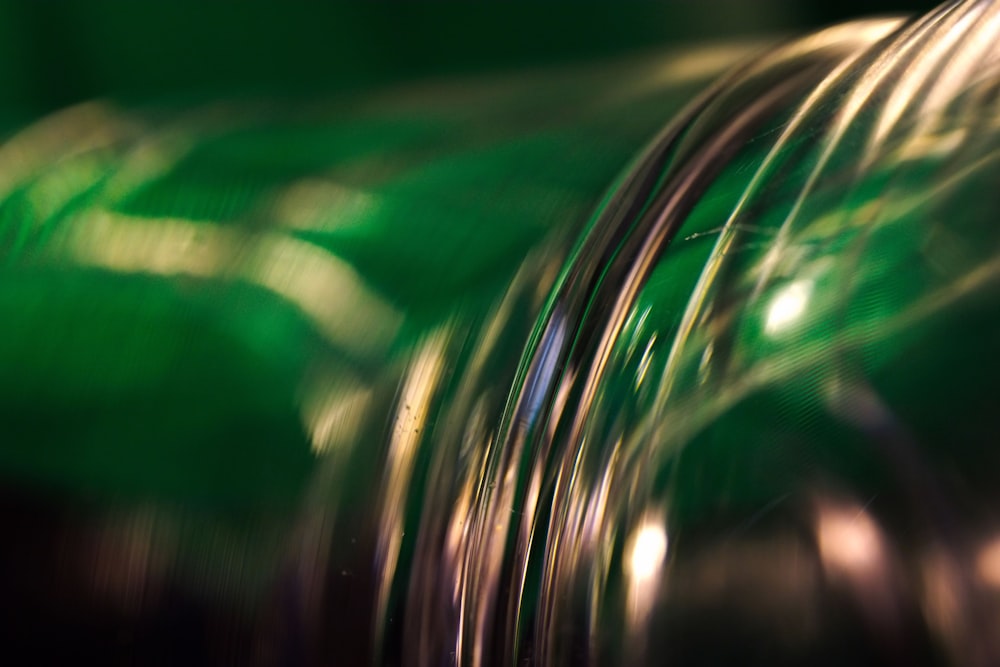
(412, 410)
(325, 288)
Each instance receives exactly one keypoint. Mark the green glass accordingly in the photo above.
(461, 373)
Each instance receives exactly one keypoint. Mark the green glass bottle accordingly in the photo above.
(461, 374)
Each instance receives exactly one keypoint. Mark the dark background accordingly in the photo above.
(56, 53)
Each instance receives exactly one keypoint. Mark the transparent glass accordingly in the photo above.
(447, 375)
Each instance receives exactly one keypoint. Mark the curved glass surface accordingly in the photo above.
(238, 336)
(400, 380)
(771, 436)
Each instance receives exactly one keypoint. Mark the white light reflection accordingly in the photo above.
(699, 63)
(322, 205)
(645, 553)
(325, 288)
(54, 189)
(636, 328)
(849, 540)
(335, 405)
(72, 132)
(647, 358)
(649, 547)
(788, 306)
(333, 416)
(413, 408)
(920, 59)
(858, 559)
(691, 65)
(988, 563)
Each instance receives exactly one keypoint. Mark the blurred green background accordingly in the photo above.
(55, 54)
